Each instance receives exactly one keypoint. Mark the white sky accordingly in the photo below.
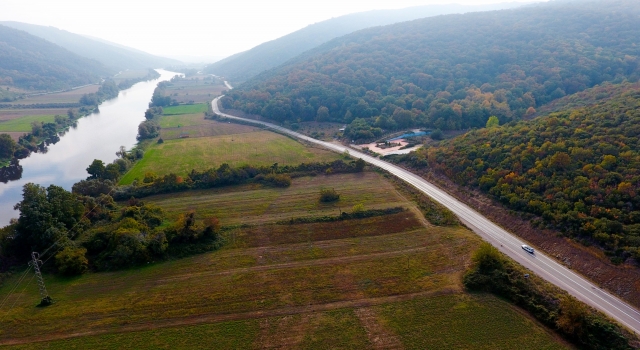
(192, 27)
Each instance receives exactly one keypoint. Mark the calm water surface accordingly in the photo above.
(97, 136)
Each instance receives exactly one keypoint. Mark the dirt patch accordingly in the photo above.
(285, 332)
(622, 280)
(378, 335)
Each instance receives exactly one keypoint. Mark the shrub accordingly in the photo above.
(72, 261)
(329, 195)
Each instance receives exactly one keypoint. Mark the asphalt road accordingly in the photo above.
(509, 244)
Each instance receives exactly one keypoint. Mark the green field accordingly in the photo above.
(185, 109)
(181, 120)
(180, 156)
(24, 123)
(390, 281)
(253, 203)
(466, 317)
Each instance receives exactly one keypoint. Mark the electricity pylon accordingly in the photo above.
(36, 263)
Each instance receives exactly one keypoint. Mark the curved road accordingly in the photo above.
(507, 243)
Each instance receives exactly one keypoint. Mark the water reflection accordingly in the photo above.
(12, 172)
(63, 161)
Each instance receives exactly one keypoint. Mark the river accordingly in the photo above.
(96, 136)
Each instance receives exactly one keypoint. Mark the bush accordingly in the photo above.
(72, 261)
(329, 195)
(278, 180)
(436, 134)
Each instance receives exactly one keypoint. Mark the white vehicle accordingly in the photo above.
(527, 249)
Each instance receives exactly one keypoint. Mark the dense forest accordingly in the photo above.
(455, 71)
(111, 55)
(247, 64)
(578, 170)
(32, 63)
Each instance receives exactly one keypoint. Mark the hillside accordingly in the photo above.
(114, 56)
(578, 170)
(247, 64)
(33, 63)
(454, 71)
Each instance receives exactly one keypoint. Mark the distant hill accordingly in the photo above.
(578, 169)
(115, 56)
(33, 63)
(452, 72)
(247, 64)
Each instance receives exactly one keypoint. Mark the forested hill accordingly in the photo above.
(578, 169)
(111, 55)
(33, 63)
(454, 71)
(247, 64)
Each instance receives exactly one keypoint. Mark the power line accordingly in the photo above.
(16, 286)
(40, 279)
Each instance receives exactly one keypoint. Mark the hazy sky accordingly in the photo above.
(192, 27)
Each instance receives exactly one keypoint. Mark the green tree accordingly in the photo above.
(493, 122)
(7, 146)
(46, 216)
(323, 114)
(360, 164)
(96, 170)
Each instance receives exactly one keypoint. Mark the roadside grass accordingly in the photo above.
(465, 321)
(255, 204)
(259, 148)
(23, 124)
(185, 109)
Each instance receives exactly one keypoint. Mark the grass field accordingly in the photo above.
(338, 285)
(185, 109)
(180, 156)
(256, 204)
(23, 124)
(391, 281)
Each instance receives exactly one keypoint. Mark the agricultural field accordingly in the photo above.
(23, 124)
(185, 109)
(17, 121)
(390, 281)
(256, 148)
(72, 96)
(196, 89)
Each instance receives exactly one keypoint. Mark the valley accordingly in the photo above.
(255, 203)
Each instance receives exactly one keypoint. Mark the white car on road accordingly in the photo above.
(527, 248)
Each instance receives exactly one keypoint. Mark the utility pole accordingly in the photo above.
(36, 263)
